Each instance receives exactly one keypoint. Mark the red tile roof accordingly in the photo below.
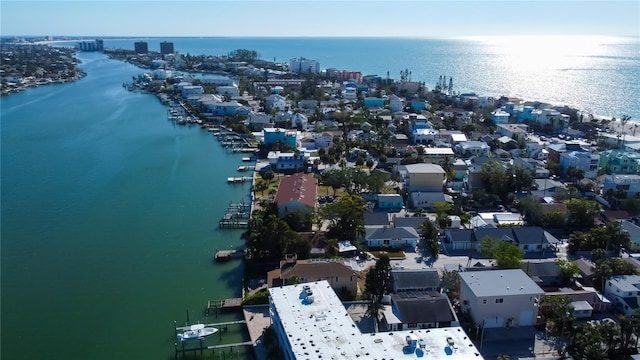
(298, 187)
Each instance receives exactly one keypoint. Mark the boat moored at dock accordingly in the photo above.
(196, 332)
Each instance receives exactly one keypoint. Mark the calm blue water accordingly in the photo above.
(109, 221)
(600, 76)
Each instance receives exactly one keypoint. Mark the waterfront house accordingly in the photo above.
(392, 237)
(624, 292)
(499, 298)
(296, 193)
(226, 108)
(420, 310)
(342, 279)
(286, 162)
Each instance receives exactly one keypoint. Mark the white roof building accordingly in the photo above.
(311, 322)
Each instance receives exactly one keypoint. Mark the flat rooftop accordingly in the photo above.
(322, 329)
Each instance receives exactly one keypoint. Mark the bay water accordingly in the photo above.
(599, 75)
(109, 221)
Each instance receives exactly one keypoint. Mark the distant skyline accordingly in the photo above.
(443, 19)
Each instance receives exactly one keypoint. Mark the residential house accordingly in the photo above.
(420, 310)
(629, 184)
(323, 140)
(544, 273)
(396, 103)
(392, 237)
(530, 239)
(535, 150)
(620, 162)
(373, 102)
(585, 301)
(472, 148)
(583, 160)
(514, 131)
(229, 90)
(423, 177)
(499, 298)
(536, 167)
(299, 121)
(624, 292)
(633, 230)
(425, 200)
(273, 135)
(308, 105)
(390, 201)
(342, 278)
(275, 101)
(296, 193)
(586, 270)
(229, 108)
(499, 117)
(286, 162)
(419, 105)
(258, 121)
(415, 280)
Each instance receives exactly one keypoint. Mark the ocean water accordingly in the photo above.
(598, 75)
(109, 222)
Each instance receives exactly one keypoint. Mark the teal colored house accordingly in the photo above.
(390, 201)
(273, 135)
(373, 102)
(418, 105)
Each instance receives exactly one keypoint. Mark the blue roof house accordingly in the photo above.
(370, 102)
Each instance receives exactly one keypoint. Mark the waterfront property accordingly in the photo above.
(296, 193)
(500, 298)
(309, 319)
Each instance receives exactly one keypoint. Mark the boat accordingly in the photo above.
(196, 332)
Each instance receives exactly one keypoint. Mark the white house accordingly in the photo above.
(500, 298)
(423, 177)
(624, 292)
(276, 101)
(393, 237)
(396, 103)
(473, 148)
(500, 117)
(229, 90)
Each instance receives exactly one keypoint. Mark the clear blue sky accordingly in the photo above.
(320, 18)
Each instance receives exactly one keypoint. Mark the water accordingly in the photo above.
(109, 221)
(598, 75)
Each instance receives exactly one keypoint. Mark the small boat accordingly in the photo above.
(196, 332)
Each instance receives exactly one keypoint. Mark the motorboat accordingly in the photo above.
(196, 332)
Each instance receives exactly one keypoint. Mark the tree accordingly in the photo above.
(582, 212)
(612, 267)
(568, 270)
(376, 285)
(506, 254)
(442, 210)
(429, 235)
(450, 283)
(554, 219)
(346, 217)
(267, 176)
(532, 210)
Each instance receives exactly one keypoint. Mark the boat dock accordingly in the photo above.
(224, 255)
(246, 167)
(226, 305)
(236, 216)
(221, 326)
(236, 180)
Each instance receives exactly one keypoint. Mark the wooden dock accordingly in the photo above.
(224, 255)
(236, 180)
(226, 304)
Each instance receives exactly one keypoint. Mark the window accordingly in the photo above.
(499, 301)
(411, 325)
(484, 301)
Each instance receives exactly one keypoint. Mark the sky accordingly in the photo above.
(300, 18)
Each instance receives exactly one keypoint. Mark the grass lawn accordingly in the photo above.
(397, 254)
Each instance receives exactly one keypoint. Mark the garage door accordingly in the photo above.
(494, 322)
(526, 318)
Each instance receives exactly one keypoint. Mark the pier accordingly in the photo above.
(226, 305)
(224, 255)
(236, 180)
(236, 216)
(201, 347)
(246, 167)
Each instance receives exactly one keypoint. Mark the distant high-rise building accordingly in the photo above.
(141, 47)
(166, 47)
(303, 66)
(96, 45)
